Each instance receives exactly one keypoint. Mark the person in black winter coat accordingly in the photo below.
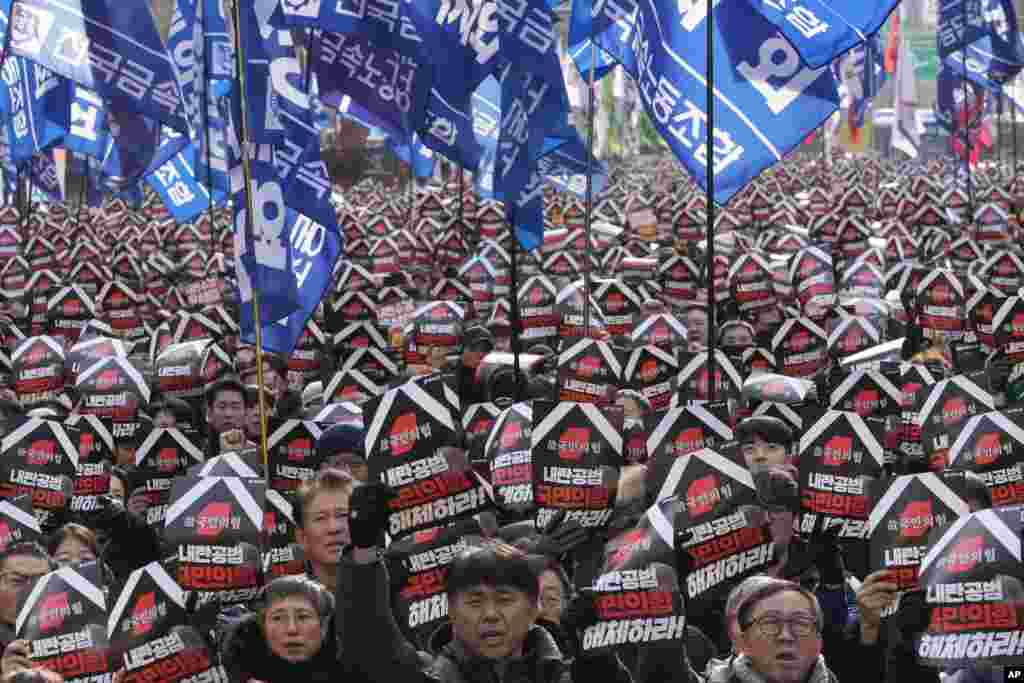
(290, 639)
(492, 608)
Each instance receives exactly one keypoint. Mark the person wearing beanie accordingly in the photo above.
(343, 446)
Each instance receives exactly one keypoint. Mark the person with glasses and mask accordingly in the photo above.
(21, 564)
(777, 636)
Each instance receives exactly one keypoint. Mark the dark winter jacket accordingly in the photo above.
(246, 656)
(378, 651)
(737, 669)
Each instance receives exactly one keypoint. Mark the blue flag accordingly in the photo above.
(175, 181)
(391, 86)
(34, 102)
(45, 177)
(820, 30)
(448, 129)
(413, 152)
(766, 100)
(110, 46)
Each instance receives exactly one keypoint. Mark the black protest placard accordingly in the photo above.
(992, 446)
(478, 419)
(215, 525)
(620, 304)
(63, 617)
(95, 455)
(292, 457)
(972, 582)
(661, 329)
(811, 273)
(150, 636)
(179, 369)
(88, 351)
(374, 363)
(39, 458)
(866, 392)
(435, 324)
(652, 370)
(944, 410)
(538, 316)
(680, 431)
(712, 496)
(405, 445)
(163, 455)
(282, 556)
(840, 455)
(1008, 328)
(418, 569)
(229, 464)
(38, 368)
(694, 381)
(904, 510)
(576, 451)
(853, 335)
(800, 347)
(641, 606)
(67, 311)
(17, 522)
(113, 388)
(940, 301)
(590, 371)
(507, 449)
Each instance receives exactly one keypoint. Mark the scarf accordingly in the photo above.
(739, 668)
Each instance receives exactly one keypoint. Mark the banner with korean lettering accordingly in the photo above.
(110, 46)
(507, 450)
(183, 194)
(35, 102)
(150, 634)
(215, 525)
(766, 99)
(821, 30)
(17, 523)
(839, 458)
(408, 441)
(992, 446)
(577, 454)
(636, 607)
(418, 567)
(972, 581)
(39, 458)
(904, 510)
(63, 618)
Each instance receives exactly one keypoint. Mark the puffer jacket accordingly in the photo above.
(378, 651)
(247, 657)
(738, 669)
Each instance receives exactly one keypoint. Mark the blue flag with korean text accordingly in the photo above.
(111, 46)
(392, 86)
(448, 129)
(34, 102)
(766, 99)
(175, 181)
(415, 154)
(820, 30)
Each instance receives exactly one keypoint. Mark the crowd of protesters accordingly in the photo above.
(519, 601)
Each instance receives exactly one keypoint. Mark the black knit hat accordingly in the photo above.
(341, 438)
(771, 429)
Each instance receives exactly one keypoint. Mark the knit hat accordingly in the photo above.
(341, 438)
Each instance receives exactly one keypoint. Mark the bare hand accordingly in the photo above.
(876, 593)
(17, 657)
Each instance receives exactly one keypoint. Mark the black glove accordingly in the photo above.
(828, 558)
(684, 560)
(368, 514)
(106, 511)
(558, 537)
(777, 489)
(580, 613)
(913, 614)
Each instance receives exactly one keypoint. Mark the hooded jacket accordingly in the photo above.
(246, 655)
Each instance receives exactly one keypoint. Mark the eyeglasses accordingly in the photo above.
(771, 626)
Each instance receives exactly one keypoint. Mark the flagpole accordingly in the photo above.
(462, 189)
(205, 106)
(709, 235)
(1013, 120)
(999, 130)
(967, 119)
(247, 179)
(590, 188)
(514, 315)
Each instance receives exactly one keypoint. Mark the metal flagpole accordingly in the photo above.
(967, 118)
(243, 135)
(462, 189)
(1013, 121)
(514, 315)
(709, 235)
(999, 131)
(590, 188)
(205, 106)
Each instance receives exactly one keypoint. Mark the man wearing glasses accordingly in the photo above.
(777, 636)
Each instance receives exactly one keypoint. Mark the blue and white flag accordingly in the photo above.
(45, 176)
(766, 100)
(448, 129)
(863, 73)
(820, 30)
(110, 46)
(414, 153)
(175, 181)
(34, 102)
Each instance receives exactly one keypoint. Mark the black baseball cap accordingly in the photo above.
(771, 429)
